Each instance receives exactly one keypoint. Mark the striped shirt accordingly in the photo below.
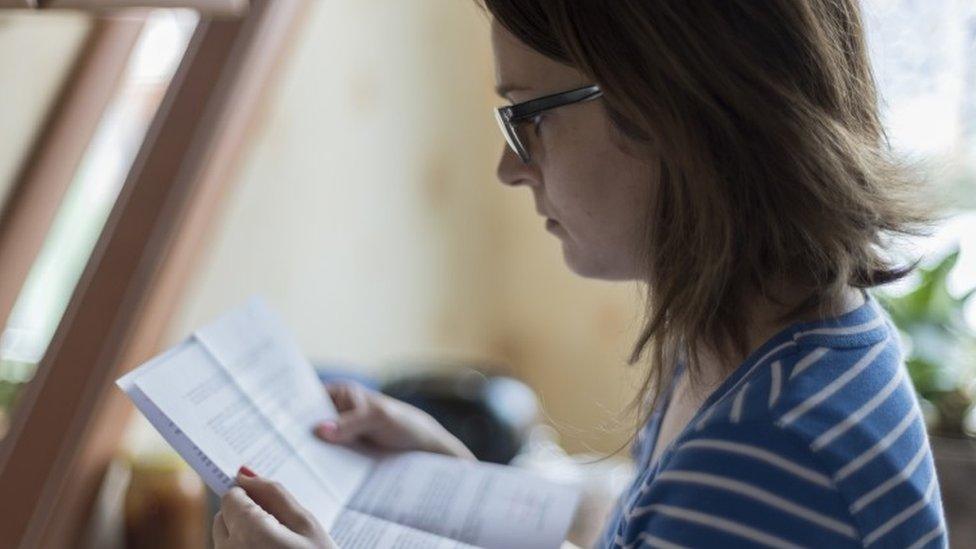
(815, 440)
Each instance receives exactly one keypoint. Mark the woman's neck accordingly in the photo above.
(766, 317)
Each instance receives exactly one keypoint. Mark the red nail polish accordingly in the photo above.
(246, 471)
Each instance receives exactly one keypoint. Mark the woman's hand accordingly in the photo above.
(386, 423)
(258, 513)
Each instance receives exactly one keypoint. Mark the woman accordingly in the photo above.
(729, 155)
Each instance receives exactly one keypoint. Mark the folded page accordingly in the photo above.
(192, 390)
(216, 479)
(266, 363)
(481, 504)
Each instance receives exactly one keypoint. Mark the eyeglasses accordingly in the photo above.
(510, 116)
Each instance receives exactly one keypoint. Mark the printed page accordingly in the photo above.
(190, 388)
(216, 479)
(481, 504)
(354, 530)
(262, 358)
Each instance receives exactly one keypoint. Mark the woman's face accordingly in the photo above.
(595, 197)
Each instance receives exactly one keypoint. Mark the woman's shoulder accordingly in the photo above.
(761, 481)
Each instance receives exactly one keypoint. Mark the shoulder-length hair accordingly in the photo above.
(763, 117)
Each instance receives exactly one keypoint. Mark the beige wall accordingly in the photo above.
(368, 215)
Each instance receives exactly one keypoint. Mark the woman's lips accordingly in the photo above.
(552, 225)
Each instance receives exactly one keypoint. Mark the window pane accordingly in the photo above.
(36, 53)
(924, 56)
(89, 200)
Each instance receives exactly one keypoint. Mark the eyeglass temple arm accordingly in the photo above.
(535, 106)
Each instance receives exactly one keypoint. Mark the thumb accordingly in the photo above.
(276, 500)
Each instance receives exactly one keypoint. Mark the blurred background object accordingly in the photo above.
(491, 414)
(940, 348)
(165, 504)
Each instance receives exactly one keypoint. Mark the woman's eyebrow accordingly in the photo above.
(504, 89)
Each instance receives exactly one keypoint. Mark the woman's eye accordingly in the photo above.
(536, 121)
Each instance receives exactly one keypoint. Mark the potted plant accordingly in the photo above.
(940, 354)
(940, 348)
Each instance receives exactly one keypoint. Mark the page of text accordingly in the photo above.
(354, 530)
(481, 504)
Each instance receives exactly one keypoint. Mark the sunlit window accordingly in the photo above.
(924, 56)
(89, 200)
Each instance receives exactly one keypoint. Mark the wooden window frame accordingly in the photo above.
(26, 4)
(70, 418)
(210, 8)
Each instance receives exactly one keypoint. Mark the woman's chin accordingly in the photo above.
(583, 266)
(589, 267)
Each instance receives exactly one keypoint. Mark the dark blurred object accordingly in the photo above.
(955, 465)
(491, 415)
(164, 505)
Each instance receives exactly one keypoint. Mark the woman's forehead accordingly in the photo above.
(520, 68)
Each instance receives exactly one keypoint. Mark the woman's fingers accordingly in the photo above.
(347, 396)
(277, 501)
(220, 533)
(258, 513)
(358, 415)
(348, 427)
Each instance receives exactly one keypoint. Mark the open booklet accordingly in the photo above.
(239, 392)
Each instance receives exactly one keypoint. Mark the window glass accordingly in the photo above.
(89, 199)
(924, 57)
(36, 53)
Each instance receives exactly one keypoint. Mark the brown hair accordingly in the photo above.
(773, 163)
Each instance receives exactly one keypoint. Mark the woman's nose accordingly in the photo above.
(512, 171)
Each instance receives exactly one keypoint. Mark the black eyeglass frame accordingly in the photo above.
(509, 116)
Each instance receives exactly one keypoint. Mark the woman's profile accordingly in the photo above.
(729, 157)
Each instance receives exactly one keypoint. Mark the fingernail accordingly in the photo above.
(246, 471)
(326, 428)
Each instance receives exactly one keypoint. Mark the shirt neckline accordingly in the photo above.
(813, 332)
(785, 338)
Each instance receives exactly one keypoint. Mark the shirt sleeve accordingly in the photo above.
(739, 485)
